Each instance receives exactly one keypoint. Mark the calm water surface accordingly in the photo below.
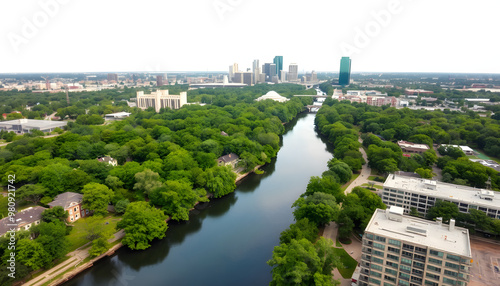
(228, 241)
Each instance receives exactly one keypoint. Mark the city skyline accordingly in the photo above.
(379, 36)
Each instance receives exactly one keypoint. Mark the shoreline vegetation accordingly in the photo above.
(122, 183)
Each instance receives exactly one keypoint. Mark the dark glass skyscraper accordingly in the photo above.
(345, 71)
(278, 61)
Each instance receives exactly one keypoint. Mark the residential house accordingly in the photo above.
(71, 202)
(109, 160)
(22, 220)
(230, 159)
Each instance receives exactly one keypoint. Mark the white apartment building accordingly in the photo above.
(160, 99)
(407, 192)
(403, 250)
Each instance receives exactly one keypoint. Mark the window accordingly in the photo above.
(377, 267)
(392, 249)
(369, 236)
(380, 238)
(451, 265)
(403, 283)
(392, 264)
(378, 253)
(450, 273)
(75, 209)
(406, 261)
(449, 281)
(376, 274)
(418, 265)
(405, 268)
(389, 278)
(453, 257)
(391, 271)
(419, 257)
(393, 257)
(430, 283)
(435, 261)
(437, 253)
(379, 246)
(395, 242)
(408, 247)
(433, 268)
(374, 281)
(433, 276)
(404, 276)
(71, 219)
(377, 260)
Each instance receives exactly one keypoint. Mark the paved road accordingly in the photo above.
(365, 173)
(77, 257)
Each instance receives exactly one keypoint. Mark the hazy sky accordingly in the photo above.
(189, 35)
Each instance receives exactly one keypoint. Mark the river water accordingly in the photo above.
(228, 241)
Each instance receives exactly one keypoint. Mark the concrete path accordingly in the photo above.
(77, 257)
(365, 173)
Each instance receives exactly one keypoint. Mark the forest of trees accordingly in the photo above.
(167, 160)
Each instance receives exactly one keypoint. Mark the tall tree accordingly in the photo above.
(96, 198)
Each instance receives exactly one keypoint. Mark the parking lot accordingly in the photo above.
(486, 262)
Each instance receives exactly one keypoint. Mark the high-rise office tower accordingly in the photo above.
(270, 71)
(159, 80)
(278, 61)
(293, 72)
(256, 71)
(405, 250)
(112, 77)
(232, 70)
(345, 71)
(244, 77)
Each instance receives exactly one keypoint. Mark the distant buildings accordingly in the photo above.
(278, 61)
(273, 95)
(345, 71)
(409, 147)
(293, 72)
(21, 126)
(232, 70)
(256, 71)
(270, 72)
(159, 80)
(160, 99)
(112, 77)
(421, 194)
(466, 149)
(71, 202)
(117, 115)
(244, 77)
(22, 220)
(403, 250)
(417, 91)
(370, 97)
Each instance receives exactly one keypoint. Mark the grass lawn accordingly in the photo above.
(354, 176)
(375, 186)
(349, 264)
(337, 243)
(78, 233)
(374, 178)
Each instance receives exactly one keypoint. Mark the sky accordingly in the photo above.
(209, 35)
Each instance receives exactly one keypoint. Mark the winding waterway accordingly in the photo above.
(228, 241)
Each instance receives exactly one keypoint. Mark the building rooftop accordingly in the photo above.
(444, 191)
(393, 224)
(274, 96)
(66, 200)
(34, 123)
(463, 148)
(24, 217)
(229, 157)
(119, 114)
(407, 144)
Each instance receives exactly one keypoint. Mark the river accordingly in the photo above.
(228, 241)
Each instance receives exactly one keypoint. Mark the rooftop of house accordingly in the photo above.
(24, 217)
(229, 158)
(66, 200)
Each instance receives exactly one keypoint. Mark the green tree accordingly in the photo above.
(53, 238)
(32, 254)
(301, 229)
(319, 208)
(137, 233)
(31, 193)
(55, 214)
(121, 206)
(425, 173)
(96, 197)
(219, 181)
(446, 210)
(340, 168)
(301, 262)
(99, 246)
(147, 181)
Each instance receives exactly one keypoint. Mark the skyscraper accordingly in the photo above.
(278, 61)
(256, 71)
(112, 77)
(293, 72)
(159, 80)
(270, 71)
(345, 71)
(232, 70)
